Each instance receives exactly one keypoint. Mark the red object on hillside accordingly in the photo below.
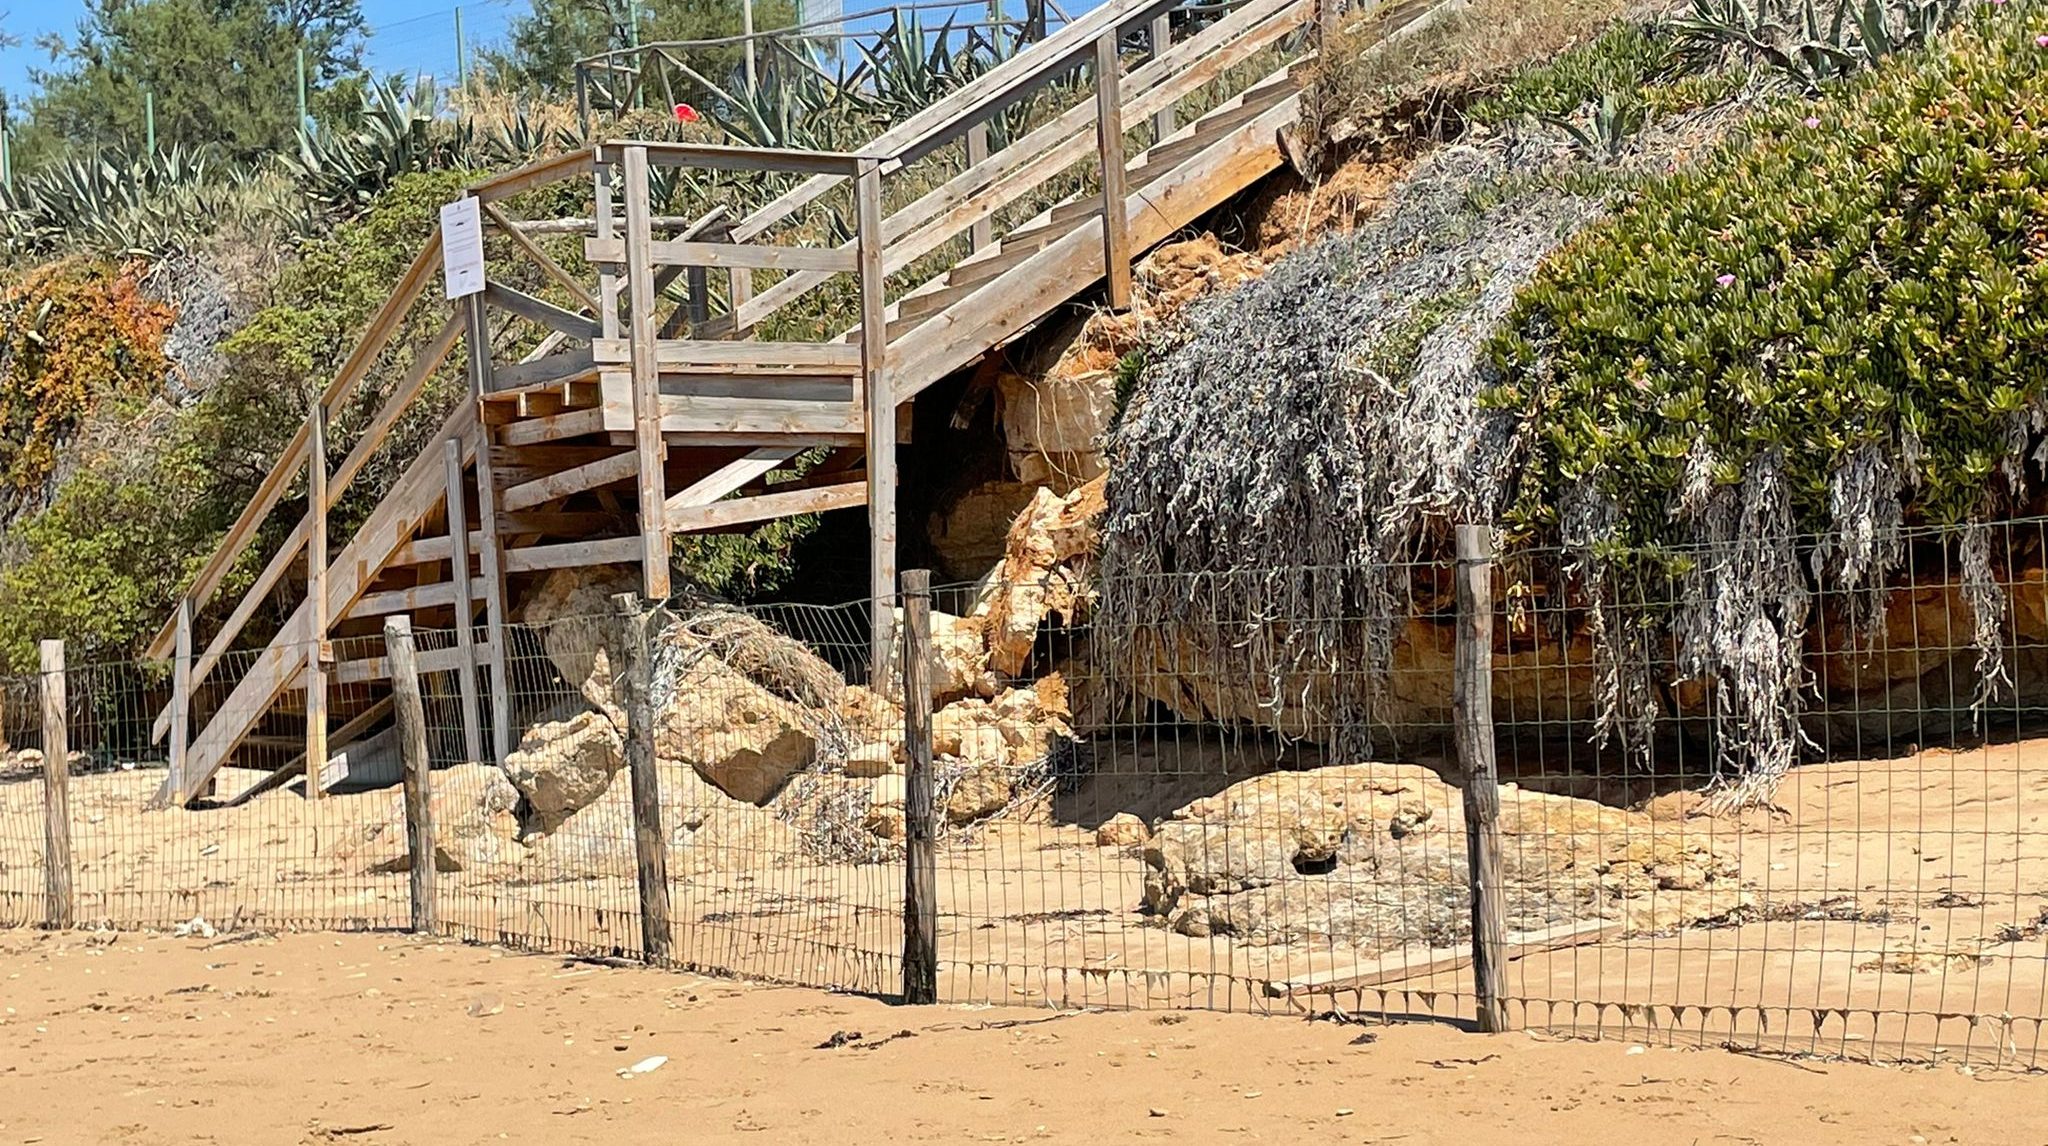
(686, 114)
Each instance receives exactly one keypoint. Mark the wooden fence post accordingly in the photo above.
(410, 713)
(1472, 729)
(465, 602)
(920, 868)
(981, 234)
(57, 911)
(1163, 121)
(1109, 146)
(633, 680)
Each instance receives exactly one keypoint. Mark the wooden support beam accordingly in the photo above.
(554, 487)
(411, 599)
(491, 569)
(1109, 142)
(465, 603)
(58, 908)
(317, 654)
(766, 507)
(348, 733)
(1472, 731)
(1162, 39)
(607, 276)
(981, 232)
(540, 258)
(537, 310)
(880, 409)
(677, 355)
(573, 555)
(181, 691)
(729, 477)
(648, 446)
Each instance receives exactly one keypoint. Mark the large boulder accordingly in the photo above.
(735, 734)
(476, 815)
(563, 766)
(572, 611)
(1045, 573)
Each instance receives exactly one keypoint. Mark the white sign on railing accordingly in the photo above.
(462, 247)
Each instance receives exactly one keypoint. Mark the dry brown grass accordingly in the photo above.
(1369, 75)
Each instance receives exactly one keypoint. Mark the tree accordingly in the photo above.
(540, 56)
(221, 73)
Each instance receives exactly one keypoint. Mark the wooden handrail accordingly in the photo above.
(976, 194)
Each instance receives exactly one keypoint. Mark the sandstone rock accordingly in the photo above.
(562, 766)
(884, 823)
(1044, 573)
(734, 733)
(980, 792)
(888, 792)
(960, 659)
(1122, 830)
(572, 609)
(476, 815)
(874, 759)
(1374, 855)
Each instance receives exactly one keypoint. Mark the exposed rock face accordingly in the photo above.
(1122, 830)
(734, 733)
(1374, 855)
(563, 766)
(1045, 573)
(476, 817)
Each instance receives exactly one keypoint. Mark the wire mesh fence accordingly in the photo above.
(1185, 812)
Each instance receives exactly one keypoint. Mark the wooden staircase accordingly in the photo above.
(614, 435)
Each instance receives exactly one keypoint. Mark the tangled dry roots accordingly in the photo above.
(774, 660)
(1291, 450)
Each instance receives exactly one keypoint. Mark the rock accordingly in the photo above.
(1044, 573)
(1375, 853)
(402, 863)
(572, 611)
(884, 823)
(476, 815)
(873, 759)
(979, 793)
(562, 766)
(734, 733)
(959, 659)
(1122, 830)
(888, 791)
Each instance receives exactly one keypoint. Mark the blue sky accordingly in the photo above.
(405, 35)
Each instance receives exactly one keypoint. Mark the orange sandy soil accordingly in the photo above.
(381, 1039)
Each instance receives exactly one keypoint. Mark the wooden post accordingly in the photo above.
(491, 557)
(646, 372)
(1109, 148)
(1327, 12)
(317, 655)
(879, 404)
(698, 282)
(181, 695)
(1163, 121)
(633, 680)
(410, 713)
(57, 910)
(607, 280)
(465, 602)
(920, 868)
(1472, 725)
(982, 233)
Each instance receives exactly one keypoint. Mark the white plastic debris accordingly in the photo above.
(644, 1066)
(197, 925)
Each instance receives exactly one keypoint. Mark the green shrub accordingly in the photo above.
(1871, 268)
(1625, 58)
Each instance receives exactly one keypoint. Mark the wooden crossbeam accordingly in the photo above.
(767, 507)
(731, 476)
(616, 468)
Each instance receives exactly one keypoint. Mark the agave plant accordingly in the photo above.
(1612, 128)
(115, 203)
(342, 170)
(1795, 39)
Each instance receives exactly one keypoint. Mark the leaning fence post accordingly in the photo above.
(633, 674)
(1472, 729)
(56, 792)
(411, 715)
(920, 868)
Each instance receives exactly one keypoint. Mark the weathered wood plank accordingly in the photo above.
(316, 596)
(411, 716)
(541, 258)
(605, 471)
(920, 827)
(751, 256)
(538, 310)
(465, 602)
(1109, 142)
(58, 906)
(649, 450)
(730, 477)
(1472, 732)
(573, 554)
(675, 354)
(766, 507)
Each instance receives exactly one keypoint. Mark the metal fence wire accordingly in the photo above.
(1144, 801)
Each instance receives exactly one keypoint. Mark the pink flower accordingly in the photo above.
(1812, 121)
(687, 114)
(2041, 41)
(1725, 281)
